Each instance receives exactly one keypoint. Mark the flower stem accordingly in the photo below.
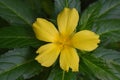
(66, 3)
(63, 75)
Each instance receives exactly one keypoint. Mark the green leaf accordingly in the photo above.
(107, 25)
(3, 22)
(60, 4)
(35, 5)
(101, 63)
(85, 73)
(108, 55)
(108, 30)
(111, 57)
(20, 78)
(17, 63)
(115, 46)
(43, 8)
(11, 37)
(48, 6)
(103, 17)
(16, 12)
(58, 74)
(109, 9)
(99, 68)
(89, 16)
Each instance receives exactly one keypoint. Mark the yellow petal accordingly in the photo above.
(85, 40)
(45, 30)
(69, 59)
(48, 54)
(67, 21)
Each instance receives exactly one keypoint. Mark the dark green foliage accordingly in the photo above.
(16, 12)
(58, 72)
(18, 42)
(17, 36)
(18, 62)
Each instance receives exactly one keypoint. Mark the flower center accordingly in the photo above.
(64, 41)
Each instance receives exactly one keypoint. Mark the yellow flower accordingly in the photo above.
(64, 40)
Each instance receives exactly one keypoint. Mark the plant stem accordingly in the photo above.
(63, 75)
(66, 3)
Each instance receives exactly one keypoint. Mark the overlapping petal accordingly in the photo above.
(67, 21)
(85, 40)
(45, 30)
(48, 54)
(69, 59)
